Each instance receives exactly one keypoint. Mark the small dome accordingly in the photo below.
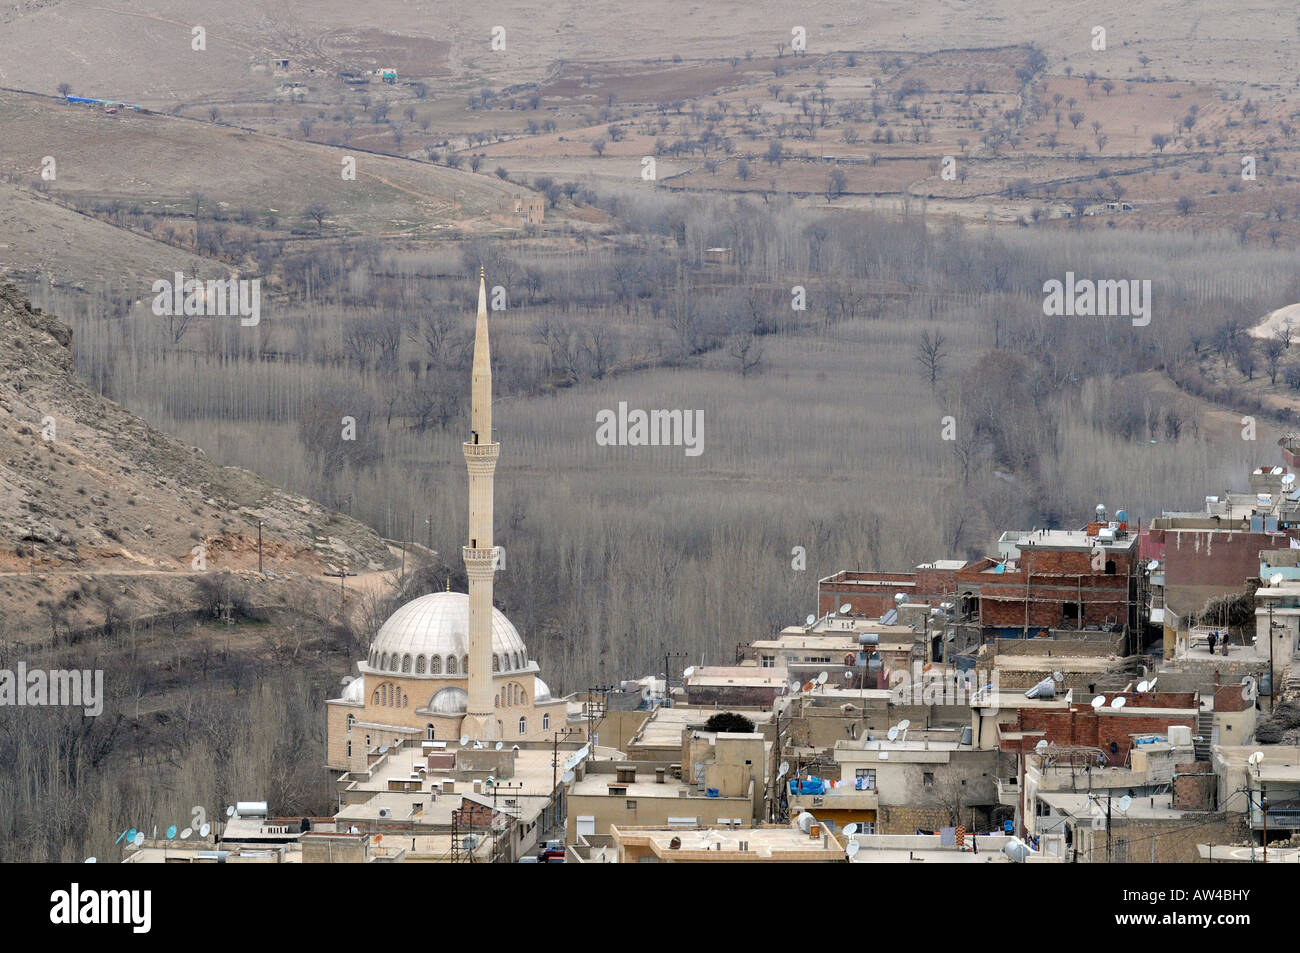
(449, 701)
(541, 691)
(355, 691)
(422, 634)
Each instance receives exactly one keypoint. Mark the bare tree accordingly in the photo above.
(930, 354)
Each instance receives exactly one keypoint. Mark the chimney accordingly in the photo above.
(659, 775)
(626, 774)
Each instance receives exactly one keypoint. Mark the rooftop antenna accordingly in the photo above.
(822, 677)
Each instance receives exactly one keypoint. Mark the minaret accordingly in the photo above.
(480, 722)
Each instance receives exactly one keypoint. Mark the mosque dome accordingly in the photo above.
(541, 691)
(355, 691)
(449, 701)
(430, 636)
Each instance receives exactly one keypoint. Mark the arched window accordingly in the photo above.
(464, 664)
(546, 723)
(515, 659)
(383, 660)
(435, 665)
(523, 697)
(496, 663)
(406, 664)
(349, 749)
(388, 695)
(496, 700)
(406, 700)
(374, 657)
(374, 697)
(352, 720)
(428, 733)
(419, 665)
(523, 726)
(451, 665)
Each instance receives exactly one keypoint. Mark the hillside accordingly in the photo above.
(91, 494)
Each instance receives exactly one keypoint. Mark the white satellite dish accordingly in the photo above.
(1124, 803)
(1256, 758)
(795, 685)
(1151, 685)
(1058, 677)
(205, 830)
(821, 678)
(92, 860)
(1276, 579)
(1041, 746)
(230, 811)
(139, 838)
(1144, 686)
(1099, 701)
(846, 608)
(893, 734)
(464, 740)
(1288, 479)
(185, 834)
(904, 725)
(1153, 565)
(850, 830)
(900, 598)
(500, 745)
(852, 849)
(690, 669)
(780, 772)
(848, 676)
(805, 821)
(810, 620)
(1119, 701)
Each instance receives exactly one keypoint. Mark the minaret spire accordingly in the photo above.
(480, 722)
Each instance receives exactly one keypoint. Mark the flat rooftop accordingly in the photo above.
(764, 843)
(663, 729)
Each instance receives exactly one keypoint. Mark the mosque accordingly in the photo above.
(449, 665)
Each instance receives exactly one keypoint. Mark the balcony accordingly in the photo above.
(847, 800)
(1009, 792)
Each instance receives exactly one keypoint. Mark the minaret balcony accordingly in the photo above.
(470, 554)
(482, 449)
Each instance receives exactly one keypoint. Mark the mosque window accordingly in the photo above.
(515, 658)
(523, 725)
(451, 665)
(496, 700)
(352, 720)
(383, 660)
(496, 664)
(374, 697)
(464, 664)
(419, 665)
(428, 733)
(406, 664)
(435, 665)
(349, 749)
(523, 697)
(546, 723)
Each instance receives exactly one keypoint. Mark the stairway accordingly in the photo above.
(1205, 730)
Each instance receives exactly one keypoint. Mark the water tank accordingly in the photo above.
(1016, 850)
(868, 638)
(250, 809)
(1044, 689)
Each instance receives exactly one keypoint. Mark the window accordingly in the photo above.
(352, 720)
(496, 663)
(523, 726)
(349, 748)
(587, 825)
(435, 665)
(464, 664)
(419, 665)
(406, 664)
(546, 723)
(451, 665)
(868, 778)
(769, 661)
(927, 779)
(1110, 567)
(428, 733)
(1070, 610)
(631, 804)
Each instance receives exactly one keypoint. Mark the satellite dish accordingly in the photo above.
(171, 832)
(185, 834)
(785, 766)
(850, 830)
(130, 836)
(568, 777)
(1124, 803)
(1058, 676)
(500, 745)
(1256, 758)
(900, 598)
(1276, 579)
(1000, 568)
(852, 849)
(893, 734)
(205, 830)
(848, 676)
(1144, 686)
(91, 860)
(1288, 479)
(904, 725)
(810, 620)
(808, 686)
(515, 748)
(139, 838)
(464, 740)
(1119, 701)
(846, 608)
(230, 811)
(1099, 701)
(1151, 685)
(805, 821)
(821, 678)
(889, 618)
(1041, 746)
(1153, 565)
(378, 838)
(795, 685)
(690, 669)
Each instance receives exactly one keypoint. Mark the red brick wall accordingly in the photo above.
(1081, 725)
(1212, 557)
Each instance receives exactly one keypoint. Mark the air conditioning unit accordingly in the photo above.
(385, 812)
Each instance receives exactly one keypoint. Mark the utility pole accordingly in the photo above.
(596, 710)
(259, 549)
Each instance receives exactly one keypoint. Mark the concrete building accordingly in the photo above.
(724, 845)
